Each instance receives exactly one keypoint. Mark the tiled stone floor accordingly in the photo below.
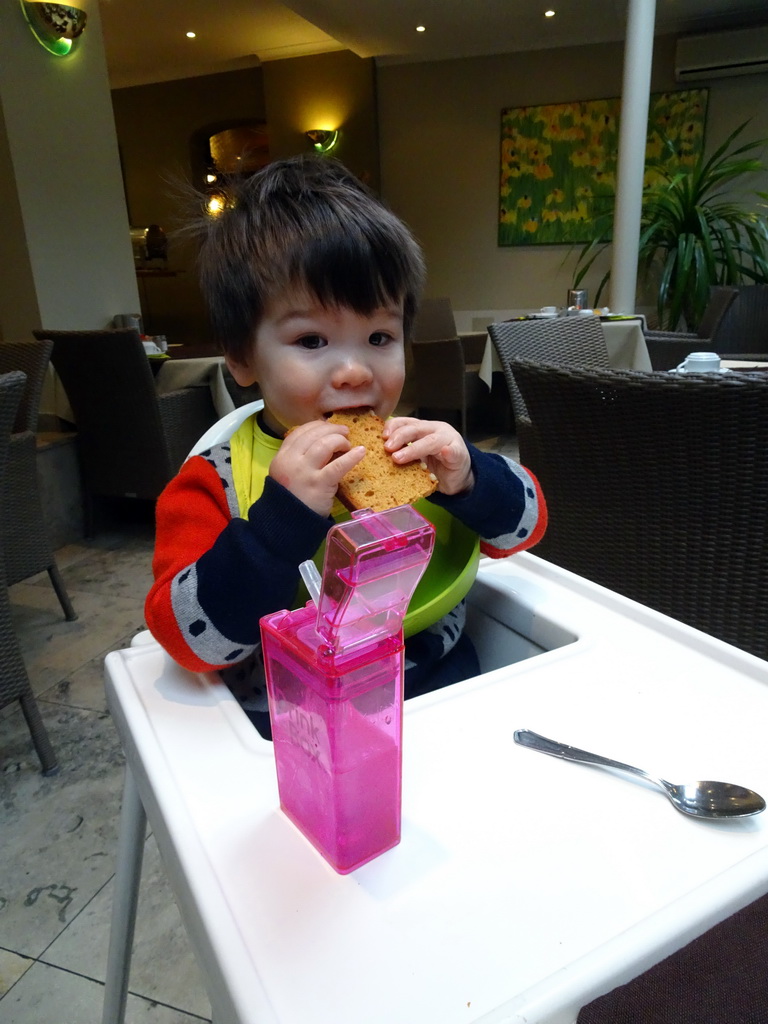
(59, 834)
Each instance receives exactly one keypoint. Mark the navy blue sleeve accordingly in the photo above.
(252, 568)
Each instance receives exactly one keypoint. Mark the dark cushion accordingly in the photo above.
(719, 978)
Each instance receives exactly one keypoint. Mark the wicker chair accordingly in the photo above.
(444, 383)
(743, 331)
(434, 320)
(567, 341)
(27, 543)
(668, 349)
(14, 682)
(130, 440)
(657, 487)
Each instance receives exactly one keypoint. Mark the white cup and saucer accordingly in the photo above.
(701, 362)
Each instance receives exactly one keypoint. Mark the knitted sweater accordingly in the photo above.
(217, 574)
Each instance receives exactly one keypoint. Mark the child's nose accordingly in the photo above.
(351, 372)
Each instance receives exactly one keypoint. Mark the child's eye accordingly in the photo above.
(312, 341)
(379, 338)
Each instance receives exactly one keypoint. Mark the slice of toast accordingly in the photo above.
(377, 482)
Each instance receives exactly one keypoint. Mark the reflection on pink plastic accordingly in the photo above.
(372, 565)
(335, 679)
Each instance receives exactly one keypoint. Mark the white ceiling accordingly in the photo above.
(146, 41)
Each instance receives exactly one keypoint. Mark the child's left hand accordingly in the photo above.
(436, 443)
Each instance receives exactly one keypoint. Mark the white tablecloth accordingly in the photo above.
(187, 373)
(624, 340)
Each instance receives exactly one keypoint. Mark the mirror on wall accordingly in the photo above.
(238, 147)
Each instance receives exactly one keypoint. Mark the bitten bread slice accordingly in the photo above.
(377, 482)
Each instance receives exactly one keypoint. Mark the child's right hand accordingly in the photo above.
(312, 460)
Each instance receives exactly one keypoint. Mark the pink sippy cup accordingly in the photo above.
(335, 683)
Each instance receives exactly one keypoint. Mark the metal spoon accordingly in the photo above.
(701, 799)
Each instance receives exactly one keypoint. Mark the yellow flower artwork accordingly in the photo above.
(559, 162)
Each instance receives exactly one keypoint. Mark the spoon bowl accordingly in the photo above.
(713, 799)
(701, 799)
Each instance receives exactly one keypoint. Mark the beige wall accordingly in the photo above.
(439, 138)
(435, 132)
(332, 90)
(155, 125)
(65, 250)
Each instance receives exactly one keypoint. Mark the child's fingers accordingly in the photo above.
(342, 464)
(330, 436)
(431, 450)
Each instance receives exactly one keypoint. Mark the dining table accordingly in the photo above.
(523, 887)
(172, 374)
(744, 365)
(624, 340)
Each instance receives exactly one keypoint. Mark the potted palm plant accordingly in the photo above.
(694, 234)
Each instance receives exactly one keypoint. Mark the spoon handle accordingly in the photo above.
(532, 739)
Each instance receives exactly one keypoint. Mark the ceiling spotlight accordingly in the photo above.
(421, 28)
(191, 35)
(549, 14)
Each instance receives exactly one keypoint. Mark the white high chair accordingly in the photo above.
(262, 909)
(487, 910)
(224, 428)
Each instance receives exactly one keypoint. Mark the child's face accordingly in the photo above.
(310, 361)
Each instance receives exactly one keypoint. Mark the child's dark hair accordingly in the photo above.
(306, 222)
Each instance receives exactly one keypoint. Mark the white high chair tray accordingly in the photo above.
(524, 886)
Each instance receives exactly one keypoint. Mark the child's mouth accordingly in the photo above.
(346, 408)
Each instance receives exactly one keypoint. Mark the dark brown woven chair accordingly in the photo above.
(668, 349)
(719, 978)
(27, 543)
(743, 331)
(444, 384)
(434, 320)
(567, 341)
(14, 682)
(657, 487)
(130, 440)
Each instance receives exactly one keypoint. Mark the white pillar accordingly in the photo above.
(635, 93)
(65, 245)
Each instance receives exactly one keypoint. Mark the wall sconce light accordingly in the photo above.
(57, 27)
(323, 139)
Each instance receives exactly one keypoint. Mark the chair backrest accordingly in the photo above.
(434, 320)
(720, 298)
(224, 428)
(439, 368)
(32, 358)
(566, 341)
(657, 487)
(473, 346)
(442, 381)
(12, 387)
(11, 390)
(111, 388)
(744, 327)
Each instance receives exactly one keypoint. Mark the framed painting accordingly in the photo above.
(558, 162)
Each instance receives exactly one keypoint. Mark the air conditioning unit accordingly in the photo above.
(720, 54)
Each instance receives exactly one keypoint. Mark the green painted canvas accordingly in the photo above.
(559, 162)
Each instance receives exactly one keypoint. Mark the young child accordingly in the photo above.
(312, 285)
